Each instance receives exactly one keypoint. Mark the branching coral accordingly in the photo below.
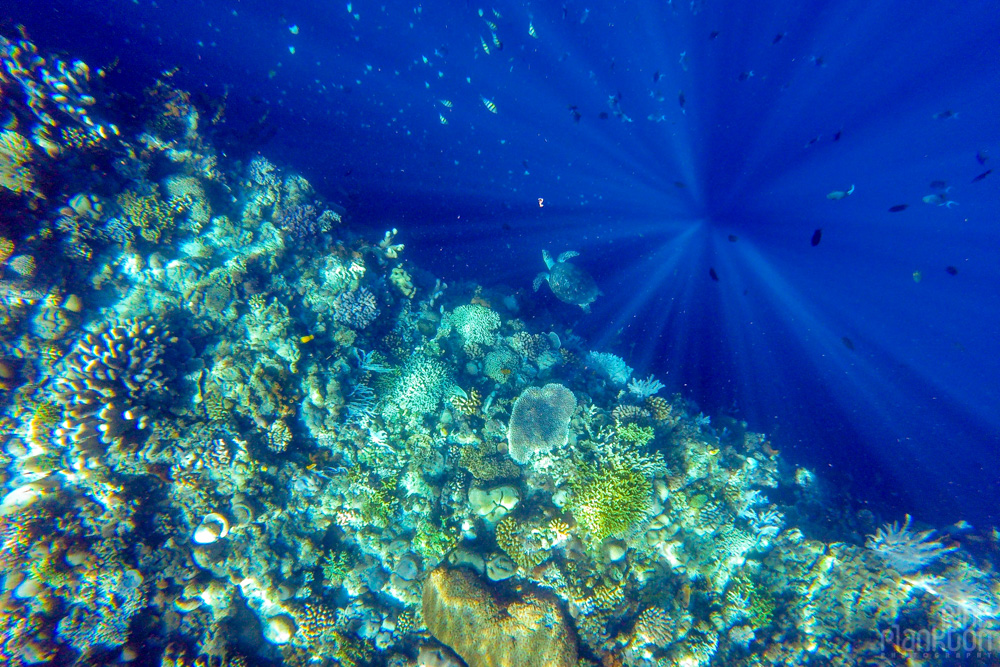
(150, 215)
(109, 377)
(904, 550)
(610, 500)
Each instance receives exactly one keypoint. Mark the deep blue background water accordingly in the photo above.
(906, 408)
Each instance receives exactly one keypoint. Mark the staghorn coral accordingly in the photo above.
(529, 631)
(108, 378)
(539, 421)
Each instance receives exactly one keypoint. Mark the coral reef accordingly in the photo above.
(463, 614)
(238, 432)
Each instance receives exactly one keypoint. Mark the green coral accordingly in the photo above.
(638, 435)
(758, 602)
(336, 566)
(153, 217)
(609, 500)
(380, 503)
(433, 541)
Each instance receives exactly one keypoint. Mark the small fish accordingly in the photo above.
(938, 185)
(497, 14)
(745, 75)
(531, 30)
(488, 103)
(307, 339)
(836, 137)
(713, 274)
(848, 343)
(940, 199)
(486, 47)
(294, 29)
(951, 270)
(982, 157)
(491, 25)
(982, 176)
(681, 100)
(840, 194)
(812, 141)
(576, 113)
(917, 276)
(816, 237)
(444, 121)
(777, 38)
(944, 115)
(656, 76)
(897, 208)
(733, 238)
(683, 62)
(603, 115)
(496, 42)
(679, 184)
(446, 103)
(713, 34)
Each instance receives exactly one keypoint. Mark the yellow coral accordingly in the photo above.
(6, 249)
(462, 612)
(15, 163)
(467, 405)
(148, 213)
(402, 281)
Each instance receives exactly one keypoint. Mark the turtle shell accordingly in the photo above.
(572, 284)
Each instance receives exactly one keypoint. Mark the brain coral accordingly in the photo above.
(539, 421)
(530, 631)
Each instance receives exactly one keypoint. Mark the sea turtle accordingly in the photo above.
(568, 281)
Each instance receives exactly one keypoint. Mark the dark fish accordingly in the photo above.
(836, 137)
(812, 141)
(745, 75)
(982, 157)
(819, 61)
(982, 175)
(944, 115)
(681, 99)
(817, 235)
(848, 343)
(679, 184)
(897, 208)
(656, 76)
(777, 38)
(713, 34)
(575, 112)
(952, 271)
(733, 238)
(603, 115)
(938, 185)
(713, 274)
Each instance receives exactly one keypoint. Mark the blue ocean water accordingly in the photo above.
(781, 105)
(837, 350)
(792, 209)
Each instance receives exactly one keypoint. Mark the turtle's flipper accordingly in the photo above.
(539, 279)
(569, 254)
